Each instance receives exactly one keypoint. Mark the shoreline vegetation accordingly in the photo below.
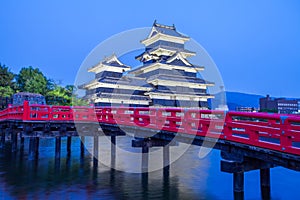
(30, 79)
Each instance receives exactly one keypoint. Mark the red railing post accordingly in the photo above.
(227, 131)
(26, 110)
(285, 139)
(135, 116)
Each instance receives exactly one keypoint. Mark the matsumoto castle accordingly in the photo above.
(165, 78)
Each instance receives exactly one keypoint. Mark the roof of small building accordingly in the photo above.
(28, 94)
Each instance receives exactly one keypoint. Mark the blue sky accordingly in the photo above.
(255, 44)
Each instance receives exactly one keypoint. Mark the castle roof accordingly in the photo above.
(114, 61)
(166, 30)
(163, 47)
(179, 78)
(125, 80)
(111, 61)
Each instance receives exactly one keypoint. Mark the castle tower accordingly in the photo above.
(166, 67)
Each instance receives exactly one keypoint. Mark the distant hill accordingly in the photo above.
(238, 99)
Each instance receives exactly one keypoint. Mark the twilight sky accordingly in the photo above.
(255, 44)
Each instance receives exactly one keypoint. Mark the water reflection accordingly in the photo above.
(75, 176)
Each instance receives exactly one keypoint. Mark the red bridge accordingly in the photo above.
(269, 131)
(248, 141)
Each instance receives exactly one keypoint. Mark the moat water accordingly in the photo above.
(75, 177)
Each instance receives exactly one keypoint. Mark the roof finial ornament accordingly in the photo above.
(154, 23)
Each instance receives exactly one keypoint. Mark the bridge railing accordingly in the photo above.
(61, 113)
(12, 113)
(36, 112)
(272, 131)
(204, 122)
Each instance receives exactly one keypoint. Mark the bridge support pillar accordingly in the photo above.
(57, 152)
(96, 151)
(265, 183)
(22, 140)
(57, 147)
(238, 185)
(14, 141)
(2, 139)
(82, 138)
(113, 151)
(69, 142)
(146, 143)
(238, 164)
(37, 145)
(166, 159)
(145, 158)
(33, 148)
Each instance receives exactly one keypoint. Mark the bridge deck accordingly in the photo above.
(268, 132)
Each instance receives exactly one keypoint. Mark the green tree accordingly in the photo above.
(7, 84)
(70, 90)
(6, 76)
(58, 96)
(32, 80)
(76, 101)
(6, 91)
(64, 96)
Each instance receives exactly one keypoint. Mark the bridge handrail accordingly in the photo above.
(272, 131)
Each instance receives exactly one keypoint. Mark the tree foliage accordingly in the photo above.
(7, 84)
(32, 80)
(64, 96)
(6, 91)
(6, 76)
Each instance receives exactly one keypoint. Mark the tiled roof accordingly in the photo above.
(28, 94)
(125, 80)
(150, 51)
(170, 48)
(176, 92)
(122, 96)
(179, 78)
(168, 30)
(111, 61)
(115, 64)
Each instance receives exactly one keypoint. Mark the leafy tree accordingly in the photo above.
(64, 96)
(6, 91)
(76, 101)
(6, 76)
(58, 96)
(32, 80)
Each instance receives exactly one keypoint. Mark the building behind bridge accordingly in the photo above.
(165, 78)
(4, 102)
(18, 99)
(245, 109)
(32, 98)
(279, 105)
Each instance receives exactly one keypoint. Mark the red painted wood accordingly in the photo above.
(270, 131)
